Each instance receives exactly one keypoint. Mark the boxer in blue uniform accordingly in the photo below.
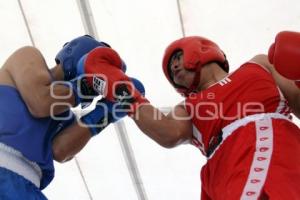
(30, 136)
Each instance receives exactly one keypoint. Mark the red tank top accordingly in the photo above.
(247, 91)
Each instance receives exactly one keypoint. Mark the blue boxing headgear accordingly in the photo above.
(72, 51)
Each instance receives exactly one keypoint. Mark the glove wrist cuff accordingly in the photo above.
(140, 101)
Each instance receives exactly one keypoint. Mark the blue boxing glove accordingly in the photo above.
(107, 112)
(72, 51)
(83, 92)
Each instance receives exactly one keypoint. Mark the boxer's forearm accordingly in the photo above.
(55, 100)
(165, 130)
(69, 142)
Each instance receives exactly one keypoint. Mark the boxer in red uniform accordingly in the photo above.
(240, 121)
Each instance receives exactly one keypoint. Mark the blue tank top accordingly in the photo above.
(27, 134)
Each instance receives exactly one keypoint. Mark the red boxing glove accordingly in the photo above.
(284, 54)
(104, 73)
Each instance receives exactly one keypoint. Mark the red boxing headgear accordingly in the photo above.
(197, 51)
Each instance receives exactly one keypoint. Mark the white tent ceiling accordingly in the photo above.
(140, 30)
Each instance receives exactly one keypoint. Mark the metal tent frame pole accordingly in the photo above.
(120, 127)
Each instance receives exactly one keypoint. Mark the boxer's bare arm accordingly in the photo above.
(69, 142)
(288, 87)
(167, 130)
(27, 70)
